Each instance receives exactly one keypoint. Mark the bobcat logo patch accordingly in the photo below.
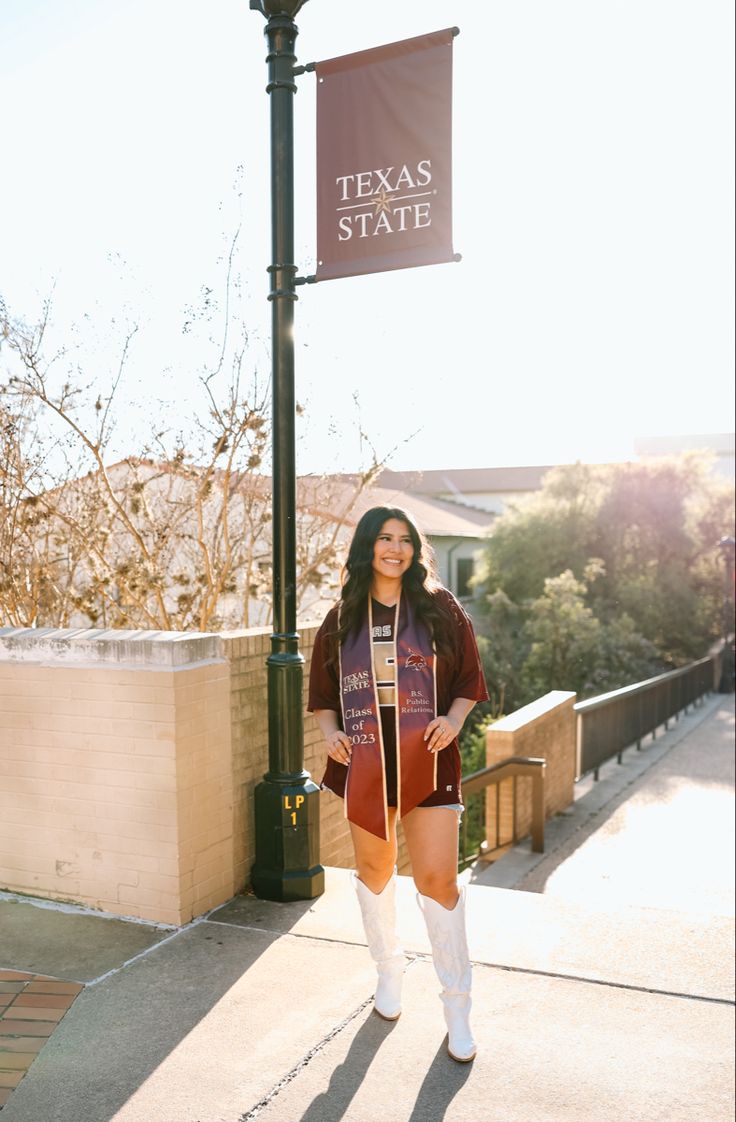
(416, 661)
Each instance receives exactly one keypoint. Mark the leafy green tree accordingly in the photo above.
(546, 534)
(473, 753)
(622, 656)
(607, 575)
(656, 532)
(564, 638)
(503, 649)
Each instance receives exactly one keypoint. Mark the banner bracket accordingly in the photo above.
(307, 69)
(277, 292)
(290, 86)
(312, 279)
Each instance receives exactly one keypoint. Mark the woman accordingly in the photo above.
(395, 672)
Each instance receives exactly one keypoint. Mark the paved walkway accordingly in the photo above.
(603, 993)
(31, 1008)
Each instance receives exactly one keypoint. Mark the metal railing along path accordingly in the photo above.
(612, 722)
(474, 792)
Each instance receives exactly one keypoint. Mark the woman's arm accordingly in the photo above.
(338, 742)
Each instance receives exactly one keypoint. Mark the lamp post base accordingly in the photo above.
(287, 841)
(283, 887)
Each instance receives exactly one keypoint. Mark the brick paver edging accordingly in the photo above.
(31, 1007)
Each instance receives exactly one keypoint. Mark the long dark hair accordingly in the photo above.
(419, 583)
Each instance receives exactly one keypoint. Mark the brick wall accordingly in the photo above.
(247, 652)
(128, 762)
(545, 729)
(115, 780)
(204, 788)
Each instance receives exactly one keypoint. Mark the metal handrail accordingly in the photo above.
(612, 722)
(513, 767)
(638, 687)
(606, 724)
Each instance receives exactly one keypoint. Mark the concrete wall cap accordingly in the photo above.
(250, 632)
(98, 646)
(532, 712)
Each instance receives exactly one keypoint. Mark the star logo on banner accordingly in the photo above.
(381, 201)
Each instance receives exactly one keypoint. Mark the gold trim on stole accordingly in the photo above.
(378, 706)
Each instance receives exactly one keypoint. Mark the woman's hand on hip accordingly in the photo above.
(339, 747)
(440, 733)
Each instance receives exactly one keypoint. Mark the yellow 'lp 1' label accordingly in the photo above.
(298, 800)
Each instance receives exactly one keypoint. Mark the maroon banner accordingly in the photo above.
(384, 158)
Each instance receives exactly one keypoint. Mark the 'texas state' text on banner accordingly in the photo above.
(384, 158)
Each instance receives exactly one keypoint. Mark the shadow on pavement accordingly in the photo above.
(441, 1083)
(345, 1081)
(211, 1000)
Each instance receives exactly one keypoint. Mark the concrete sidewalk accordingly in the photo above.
(603, 994)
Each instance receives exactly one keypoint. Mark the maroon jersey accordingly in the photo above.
(459, 676)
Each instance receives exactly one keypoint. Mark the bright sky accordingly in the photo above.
(594, 209)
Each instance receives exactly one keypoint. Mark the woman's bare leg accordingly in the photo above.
(431, 834)
(375, 858)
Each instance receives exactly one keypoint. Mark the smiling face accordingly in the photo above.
(393, 551)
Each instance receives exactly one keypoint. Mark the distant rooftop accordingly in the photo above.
(437, 516)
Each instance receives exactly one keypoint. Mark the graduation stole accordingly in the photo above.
(416, 705)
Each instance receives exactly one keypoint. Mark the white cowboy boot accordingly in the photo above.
(379, 920)
(451, 961)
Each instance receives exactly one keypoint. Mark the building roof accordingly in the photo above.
(435, 517)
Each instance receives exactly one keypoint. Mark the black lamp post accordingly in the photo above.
(727, 547)
(286, 801)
